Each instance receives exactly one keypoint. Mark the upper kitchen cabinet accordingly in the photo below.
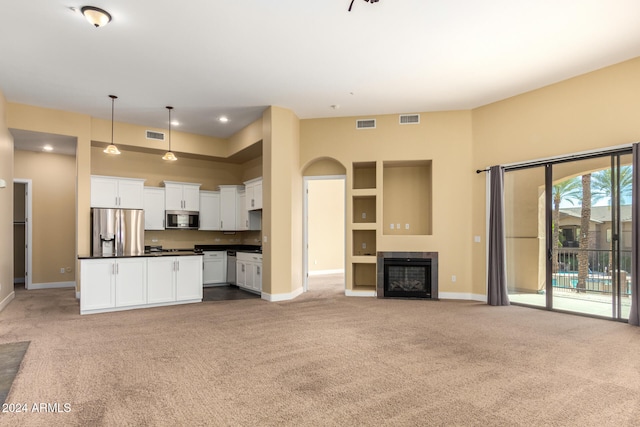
(117, 192)
(153, 208)
(229, 215)
(254, 194)
(182, 196)
(209, 210)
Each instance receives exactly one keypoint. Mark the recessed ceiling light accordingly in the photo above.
(47, 148)
(223, 119)
(175, 123)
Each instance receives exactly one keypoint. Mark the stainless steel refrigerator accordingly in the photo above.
(117, 232)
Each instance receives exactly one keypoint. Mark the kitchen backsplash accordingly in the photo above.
(184, 239)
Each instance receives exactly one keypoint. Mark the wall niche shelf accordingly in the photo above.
(407, 198)
(364, 243)
(364, 209)
(364, 175)
(364, 277)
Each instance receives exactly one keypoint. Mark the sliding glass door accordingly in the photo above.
(568, 228)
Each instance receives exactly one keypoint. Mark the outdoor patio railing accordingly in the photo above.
(599, 278)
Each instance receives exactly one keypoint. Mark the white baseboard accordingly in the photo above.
(350, 293)
(462, 296)
(5, 302)
(282, 297)
(323, 272)
(52, 285)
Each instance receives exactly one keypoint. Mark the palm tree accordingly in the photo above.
(585, 219)
(569, 190)
(602, 184)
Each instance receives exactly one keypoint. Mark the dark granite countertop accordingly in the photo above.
(185, 252)
(238, 248)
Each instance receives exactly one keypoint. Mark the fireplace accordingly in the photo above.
(407, 275)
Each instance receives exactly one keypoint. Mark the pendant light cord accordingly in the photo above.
(169, 108)
(113, 99)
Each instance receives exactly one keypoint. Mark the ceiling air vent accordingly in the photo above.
(159, 136)
(366, 124)
(409, 119)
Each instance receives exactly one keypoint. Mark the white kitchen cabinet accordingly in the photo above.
(215, 267)
(242, 220)
(254, 194)
(97, 285)
(182, 196)
(229, 206)
(153, 208)
(131, 282)
(111, 283)
(189, 278)
(209, 210)
(174, 279)
(249, 271)
(117, 192)
(161, 286)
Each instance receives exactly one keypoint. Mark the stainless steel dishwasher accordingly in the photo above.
(231, 267)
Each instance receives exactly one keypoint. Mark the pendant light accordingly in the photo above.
(112, 149)
(169, 154)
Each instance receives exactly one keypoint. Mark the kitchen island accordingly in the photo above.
(115, 283)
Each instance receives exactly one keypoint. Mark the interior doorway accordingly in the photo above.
(324, 232)
(22, 233)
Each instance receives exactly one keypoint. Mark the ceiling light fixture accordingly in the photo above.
(96, 16)
(111, 148)
(169, 154)
(372, 2)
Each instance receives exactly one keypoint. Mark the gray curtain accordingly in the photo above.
(497, 274)
(634, 316)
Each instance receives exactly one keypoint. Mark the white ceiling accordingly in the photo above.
(213, 57)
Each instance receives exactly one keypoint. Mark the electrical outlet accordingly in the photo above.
(364, 245)
(398, 226)
(406, 226)
(364, 215)
(61, 270)
(391, 225)
(453, 278)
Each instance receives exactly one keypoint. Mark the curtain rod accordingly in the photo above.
(574, 157)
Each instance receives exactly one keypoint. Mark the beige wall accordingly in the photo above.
(6, 208)
(53, 178)
(282, 203)
(444, 139)
(326, 225)
(592, 111)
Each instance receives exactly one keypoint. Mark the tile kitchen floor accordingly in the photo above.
(223, 293)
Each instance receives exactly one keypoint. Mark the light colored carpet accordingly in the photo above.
(322, 360)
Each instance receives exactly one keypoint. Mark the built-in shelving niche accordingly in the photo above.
(364, 209)
(364, 277)
(364, 175)
(407, 198)
(364, 243)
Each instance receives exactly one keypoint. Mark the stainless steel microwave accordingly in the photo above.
(183, 220)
